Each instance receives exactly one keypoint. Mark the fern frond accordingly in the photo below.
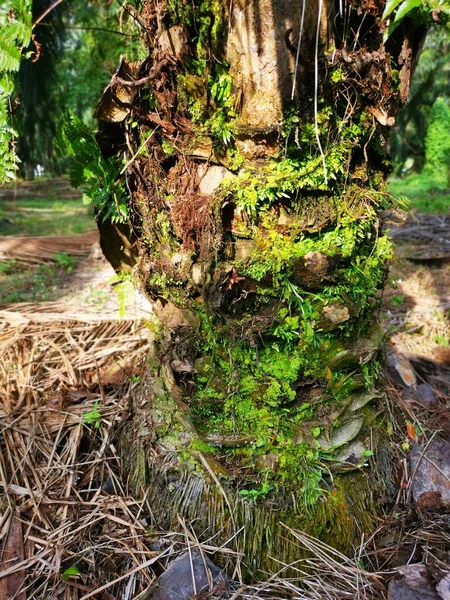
(9, 56)
(15, 33)
(98, 177)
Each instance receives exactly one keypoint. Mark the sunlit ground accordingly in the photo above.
(44, 217)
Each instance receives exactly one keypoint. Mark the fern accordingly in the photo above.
(9, 56)
(98, 177)
(15, 35)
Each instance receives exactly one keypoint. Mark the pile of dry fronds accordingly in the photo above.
(38, 249)
(423, 237)
(67, 521)
(417, 309)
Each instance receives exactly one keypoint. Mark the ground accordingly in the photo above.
(73, 342)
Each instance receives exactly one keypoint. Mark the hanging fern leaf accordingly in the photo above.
(15, 34)
(9, 57)
(98, 177)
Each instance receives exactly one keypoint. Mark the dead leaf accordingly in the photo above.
(410, 430)
(13, 552)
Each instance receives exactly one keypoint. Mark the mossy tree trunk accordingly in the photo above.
(254, 138)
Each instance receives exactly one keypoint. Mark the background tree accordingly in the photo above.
(431, 81)
(437, 145)
(76, 49)
(15, 34)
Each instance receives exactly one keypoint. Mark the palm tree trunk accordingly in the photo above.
(255, 135)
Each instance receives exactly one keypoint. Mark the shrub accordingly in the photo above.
(437, 144)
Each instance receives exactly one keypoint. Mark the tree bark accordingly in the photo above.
(255, 206)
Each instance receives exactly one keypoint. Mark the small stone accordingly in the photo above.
(187, 577)
(424, 395)
(333, 315)
(212, 179)
(430, 465)
(413, 585)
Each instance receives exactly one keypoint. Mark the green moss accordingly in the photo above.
(199, 445)
(265, 353)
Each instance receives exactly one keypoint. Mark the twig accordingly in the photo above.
(45, 13)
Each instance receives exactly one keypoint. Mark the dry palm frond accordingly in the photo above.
(35, 249)
(45, 360)
(59, 471)
(76, 530)
(326, 574)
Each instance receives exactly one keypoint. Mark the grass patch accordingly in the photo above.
(423, 193)
(38, 283)
(42, 216)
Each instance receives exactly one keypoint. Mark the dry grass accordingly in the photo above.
(69, 525)
(416, 311)
(59, 469)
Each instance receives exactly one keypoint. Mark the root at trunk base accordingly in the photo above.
(249, 481)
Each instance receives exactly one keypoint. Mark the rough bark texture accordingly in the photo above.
(255, 208)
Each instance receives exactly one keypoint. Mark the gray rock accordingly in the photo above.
(212, 179)
(188, 576)
(413, 585)
(430, 466)
(424, 395)
(443, 587)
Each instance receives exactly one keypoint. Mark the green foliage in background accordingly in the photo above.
(437, 144)
(422, 193)
(397, 10)
(431, 80)
(81, 47)
(15, 34)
